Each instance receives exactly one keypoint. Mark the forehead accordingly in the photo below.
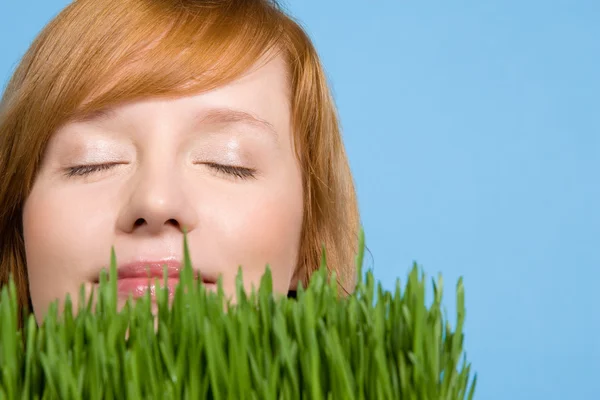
(264, 88)
(269, 76)
(259, 97)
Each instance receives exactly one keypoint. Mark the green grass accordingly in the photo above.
(373, 344)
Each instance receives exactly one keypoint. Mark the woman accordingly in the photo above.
(129, 122)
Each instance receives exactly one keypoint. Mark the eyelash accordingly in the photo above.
(232, 170)
(83, 170)
(236, 172)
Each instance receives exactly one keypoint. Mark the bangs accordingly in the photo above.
(124, 50)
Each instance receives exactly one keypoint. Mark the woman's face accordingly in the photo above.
(219, 164)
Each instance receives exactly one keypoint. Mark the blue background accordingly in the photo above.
(473, 130)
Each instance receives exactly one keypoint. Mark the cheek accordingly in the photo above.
(261, 230)
(61, 231)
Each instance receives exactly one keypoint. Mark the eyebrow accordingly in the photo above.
(221, 115)
(233, 116)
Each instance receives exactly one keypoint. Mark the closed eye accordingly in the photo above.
(83, 170)
(233, 170)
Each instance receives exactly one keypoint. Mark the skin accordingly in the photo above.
(164, 182)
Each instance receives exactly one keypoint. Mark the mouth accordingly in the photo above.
(137, 278)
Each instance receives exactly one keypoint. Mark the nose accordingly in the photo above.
(156, 202)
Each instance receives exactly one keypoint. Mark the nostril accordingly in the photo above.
(139, 222)
(173, 222)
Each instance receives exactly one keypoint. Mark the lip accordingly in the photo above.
(151, 269)
(137, 277)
